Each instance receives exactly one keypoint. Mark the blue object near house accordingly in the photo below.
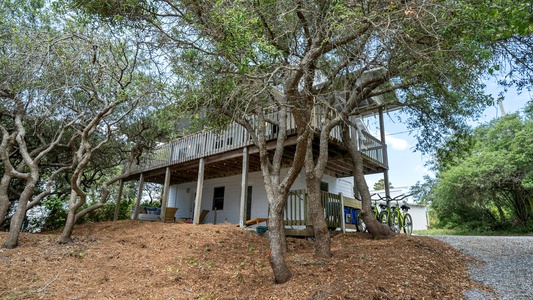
(350, 215)
(261, 230)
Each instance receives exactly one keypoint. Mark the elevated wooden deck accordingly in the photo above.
(222, 151)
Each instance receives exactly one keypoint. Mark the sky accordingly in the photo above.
(406, 166)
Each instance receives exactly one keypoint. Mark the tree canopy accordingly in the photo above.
(489, 185)
(68, 84)
(262, 64)
(241, 60)
(380, 185)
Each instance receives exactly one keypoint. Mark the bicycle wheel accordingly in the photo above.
(408, 224)
(383, 218)
(361, 226)
(395, 223)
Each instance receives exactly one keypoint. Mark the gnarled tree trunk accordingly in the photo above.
(4, 197)
(278, 243)
(27, 170)
(375, 228)
(313, 177)
(73, 214)
(17, 219)
(316, 212)
(277, 186)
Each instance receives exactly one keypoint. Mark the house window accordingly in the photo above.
(218, 198)
(324, 186)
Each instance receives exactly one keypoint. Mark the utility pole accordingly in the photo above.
(500, 105)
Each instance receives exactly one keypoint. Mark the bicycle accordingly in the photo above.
(402, 219)
(397, 217)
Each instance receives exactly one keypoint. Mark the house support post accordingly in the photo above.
(244, 186)
(343, 221)
(164, 199)
(139, 197)
(356, 136)
(119, 198)
(199, 188)
(385, 156)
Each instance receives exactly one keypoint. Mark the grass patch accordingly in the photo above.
(436, 231)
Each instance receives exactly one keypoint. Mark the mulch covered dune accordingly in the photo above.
(149, 260)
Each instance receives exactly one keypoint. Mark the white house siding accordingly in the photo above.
(419, 214)
(344, 186)
(182, 196)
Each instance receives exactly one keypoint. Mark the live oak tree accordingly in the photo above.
(252, 115)
(68, 87)
(115, 83)
(237, 60)
(507, 31)
(33, 89)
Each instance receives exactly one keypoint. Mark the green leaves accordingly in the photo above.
(493, 177)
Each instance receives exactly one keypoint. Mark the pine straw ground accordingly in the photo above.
(148, 260)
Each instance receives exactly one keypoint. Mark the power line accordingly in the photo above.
(401, 132)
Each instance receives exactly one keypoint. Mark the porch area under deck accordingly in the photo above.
(208, 155)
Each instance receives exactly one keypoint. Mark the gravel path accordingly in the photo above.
(507, 264)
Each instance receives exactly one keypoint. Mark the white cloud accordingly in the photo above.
(396, 143)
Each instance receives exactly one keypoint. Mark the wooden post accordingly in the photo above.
(199, 188)
(343, 222)
(139, 197)
(244, 186)
(385, 156)
(164, 199)
(119, 198)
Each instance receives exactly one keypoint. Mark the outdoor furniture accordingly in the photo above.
(169, 214)
(256, 221)
(146, 213)
(203, 214)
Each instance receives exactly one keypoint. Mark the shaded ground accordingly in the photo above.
(148, 260)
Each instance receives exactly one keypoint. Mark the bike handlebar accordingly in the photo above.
(397, 198)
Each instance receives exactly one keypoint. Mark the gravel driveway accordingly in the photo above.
(507, 264)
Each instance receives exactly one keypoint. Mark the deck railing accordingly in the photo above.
(234, 136)
(297, 209)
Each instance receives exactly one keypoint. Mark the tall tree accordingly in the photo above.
(380, 185)
(68, 83)
(116, 80)
(423, 191)
(33, 90)
(237, 58)
(491, 182)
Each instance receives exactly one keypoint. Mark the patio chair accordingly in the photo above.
(203, 214)
(169, 214)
